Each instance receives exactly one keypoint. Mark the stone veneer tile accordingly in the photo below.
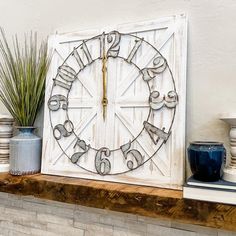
(39, 232)
(195, 228)
(119, 231)
(14, 227)
(149, 220)
(110, 219)
(54, 219)
(64, 230)
(161, 231)
(86, 216)
(48, 209)
(98, 230)
(226, 233)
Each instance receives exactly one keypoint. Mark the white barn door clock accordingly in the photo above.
(115, 104)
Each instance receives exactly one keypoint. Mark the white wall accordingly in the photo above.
(211, 79)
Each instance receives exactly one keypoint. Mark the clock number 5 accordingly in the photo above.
(102, 164)
(133, 153)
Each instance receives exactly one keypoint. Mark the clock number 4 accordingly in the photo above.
(133, 153)
(155, 133)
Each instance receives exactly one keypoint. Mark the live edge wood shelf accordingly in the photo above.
(145, 201)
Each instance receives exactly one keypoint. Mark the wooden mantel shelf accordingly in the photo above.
(145, 201)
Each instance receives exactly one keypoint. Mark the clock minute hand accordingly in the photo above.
(104, 81)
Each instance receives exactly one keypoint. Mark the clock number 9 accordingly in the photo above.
(57, 101)
(102, 164)
(64, 130)
(133, 153)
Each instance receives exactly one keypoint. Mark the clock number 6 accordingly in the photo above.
(102, 164)
(133, 153)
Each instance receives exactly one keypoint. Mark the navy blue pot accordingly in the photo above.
(206, 160)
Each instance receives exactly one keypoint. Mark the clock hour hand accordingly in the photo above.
(104, 81)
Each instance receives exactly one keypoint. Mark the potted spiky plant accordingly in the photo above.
(23, 70)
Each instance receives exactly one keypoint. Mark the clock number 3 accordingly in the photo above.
(132, 153)
(102, 164)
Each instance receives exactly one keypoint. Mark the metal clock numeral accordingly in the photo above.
(134, 50)
(133, 153)
(114, 39)
(57, 101)
(154, 131)
(76, 156)
(157, 102)
(64, 130)
(102, 164)
(66, 77)
(159, 65)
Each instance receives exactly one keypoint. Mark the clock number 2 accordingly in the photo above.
(159, 65)
(102, 164)
(132, 153)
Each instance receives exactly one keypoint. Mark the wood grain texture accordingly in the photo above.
(146, 201)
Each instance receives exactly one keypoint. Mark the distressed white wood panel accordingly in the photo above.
(128, 105)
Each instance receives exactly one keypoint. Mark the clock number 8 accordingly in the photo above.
(64, 130)
(103, 165)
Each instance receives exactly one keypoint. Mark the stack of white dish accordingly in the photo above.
(6, 132)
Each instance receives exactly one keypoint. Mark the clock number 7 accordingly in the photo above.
(81, 144)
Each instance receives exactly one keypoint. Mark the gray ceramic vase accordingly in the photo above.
(25, 152)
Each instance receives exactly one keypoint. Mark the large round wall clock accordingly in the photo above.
(111, 105)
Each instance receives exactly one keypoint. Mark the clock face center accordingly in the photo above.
(126, 95)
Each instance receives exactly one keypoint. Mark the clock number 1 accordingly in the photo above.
(134, 50)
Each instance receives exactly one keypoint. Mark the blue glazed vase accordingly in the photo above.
(25, 152)
(206, 160)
